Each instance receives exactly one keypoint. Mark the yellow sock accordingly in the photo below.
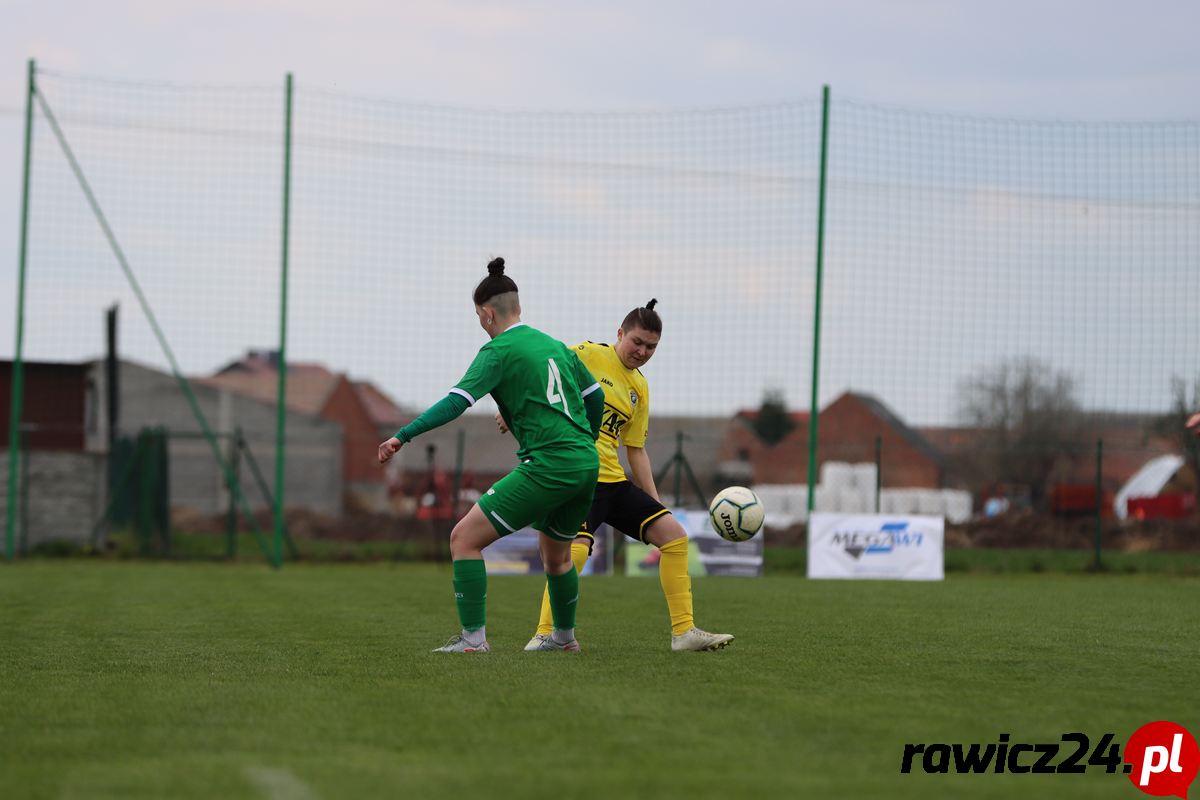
(676, 585)
(579, 556)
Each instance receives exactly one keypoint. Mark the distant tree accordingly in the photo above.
(1172, 424)
(773, 422)
(1028, 418)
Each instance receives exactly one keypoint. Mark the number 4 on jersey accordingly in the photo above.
(554, 388)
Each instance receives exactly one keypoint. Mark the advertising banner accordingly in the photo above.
(876, 546)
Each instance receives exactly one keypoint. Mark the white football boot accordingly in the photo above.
(536, 642)
(548, 643)
(696, 639)
(458, 644)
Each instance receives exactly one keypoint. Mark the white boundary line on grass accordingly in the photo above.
(279, 784)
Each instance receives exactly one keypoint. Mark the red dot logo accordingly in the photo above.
(1164, 758)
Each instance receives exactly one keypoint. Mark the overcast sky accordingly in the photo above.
(1098, 59)
(1028, 60)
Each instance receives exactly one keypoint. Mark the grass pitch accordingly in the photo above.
(208, 680)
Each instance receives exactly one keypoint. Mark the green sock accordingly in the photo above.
(470, 593)
(564, 597)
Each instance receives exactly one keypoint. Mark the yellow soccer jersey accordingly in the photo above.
(626, 406)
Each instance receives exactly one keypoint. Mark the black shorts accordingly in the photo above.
(624, 506)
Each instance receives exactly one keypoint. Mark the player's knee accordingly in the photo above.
(556, 560)
(665, 530)
(461, 541)
(557, 564)
(456, 539)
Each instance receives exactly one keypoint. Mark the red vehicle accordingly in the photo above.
(1168, 505)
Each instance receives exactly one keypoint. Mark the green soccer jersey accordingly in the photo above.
(538, 383)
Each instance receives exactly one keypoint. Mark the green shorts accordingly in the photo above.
(551, 501)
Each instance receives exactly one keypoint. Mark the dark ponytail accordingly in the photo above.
(645, 317)
(495, 283)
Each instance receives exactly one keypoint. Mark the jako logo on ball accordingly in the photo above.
(1164, 757)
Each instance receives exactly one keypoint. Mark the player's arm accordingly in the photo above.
(448, 409)
(1193, 424)
(593, 403)
(481, 378)
(634, 439)
(643, 473)
(593, 395)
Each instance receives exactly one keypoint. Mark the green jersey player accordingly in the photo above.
(554, 407)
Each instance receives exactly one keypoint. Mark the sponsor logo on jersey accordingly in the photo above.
(614, 422)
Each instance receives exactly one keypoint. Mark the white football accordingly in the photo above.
(736, 513)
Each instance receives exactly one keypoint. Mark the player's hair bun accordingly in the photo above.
(495, 283)
(643, 317)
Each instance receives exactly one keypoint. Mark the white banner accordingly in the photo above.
(876, 546)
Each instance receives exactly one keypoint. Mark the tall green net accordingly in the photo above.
(189, 179)
(956, 244)
(1004, 300)
(162, 200)
(398, 209)
(1021, 295)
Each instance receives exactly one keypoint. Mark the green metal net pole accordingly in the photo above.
(678, 468)
(231, 515)
(460, 447)
(816, 359)
(1099, 498)
(878, 470)
(17, 387)
(281, 411)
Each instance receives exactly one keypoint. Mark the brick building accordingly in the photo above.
(364, 412)
(61, 481)
(848, 430)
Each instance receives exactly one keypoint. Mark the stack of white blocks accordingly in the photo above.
(846, 488)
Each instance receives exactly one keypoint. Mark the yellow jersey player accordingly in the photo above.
(632, 506)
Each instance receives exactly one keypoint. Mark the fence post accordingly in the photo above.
(878, 469)
(678, 469)
(26, 477)
(816, 359)
(162, 489)
(231, 516)
(16, 388)
(1099, 497)
(460, 445)
(281, 411)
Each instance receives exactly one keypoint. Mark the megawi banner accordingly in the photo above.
(876, 546)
